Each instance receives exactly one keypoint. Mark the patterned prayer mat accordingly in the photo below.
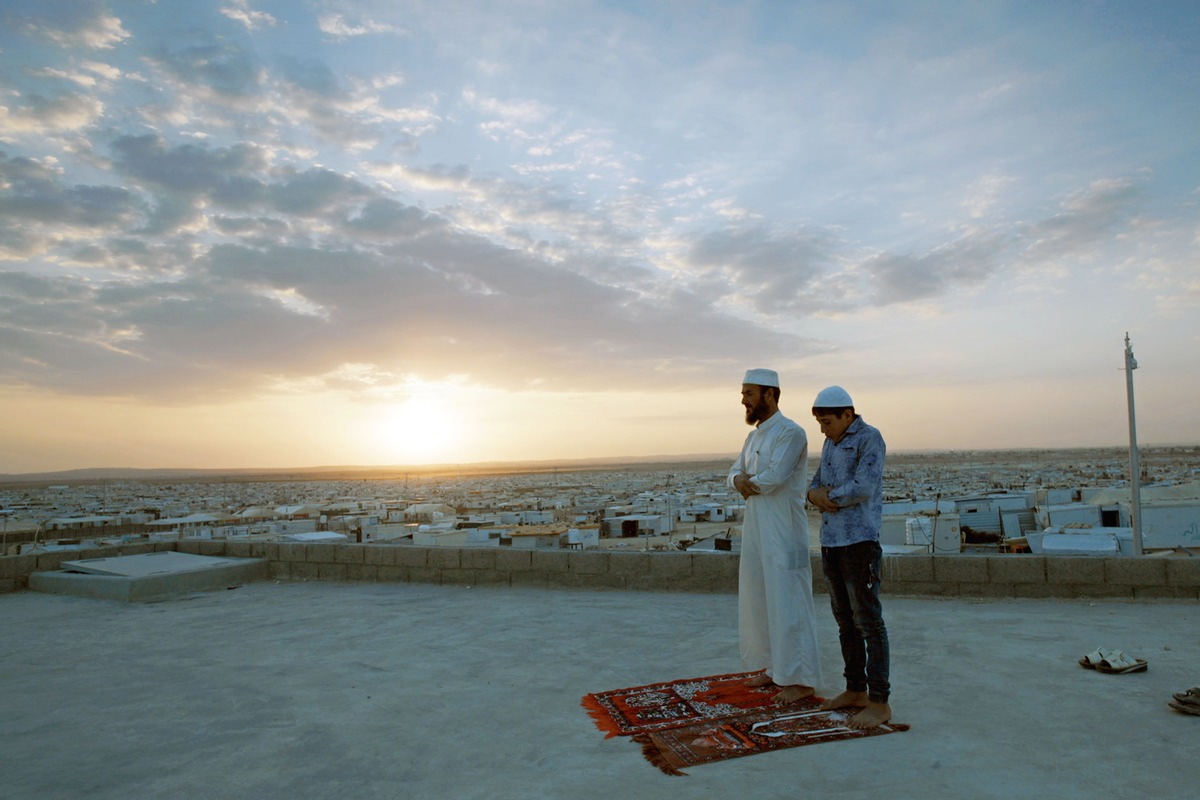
(642, 709)
(775, 728)
(700, 720)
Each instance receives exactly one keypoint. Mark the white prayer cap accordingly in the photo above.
(833, 397)
(762, 377)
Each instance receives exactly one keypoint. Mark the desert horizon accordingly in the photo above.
(1148, 454)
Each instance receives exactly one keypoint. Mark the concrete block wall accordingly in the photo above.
(945, 575)
(491, 566)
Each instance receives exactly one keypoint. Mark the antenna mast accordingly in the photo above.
(1135, 470)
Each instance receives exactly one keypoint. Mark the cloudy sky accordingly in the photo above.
(298, 232)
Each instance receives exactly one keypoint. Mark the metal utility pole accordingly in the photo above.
(1135, 470)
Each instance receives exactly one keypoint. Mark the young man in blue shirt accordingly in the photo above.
(847, 487)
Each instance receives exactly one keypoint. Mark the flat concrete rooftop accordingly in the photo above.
(314, 689)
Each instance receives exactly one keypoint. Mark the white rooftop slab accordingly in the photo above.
(1061, 541)
(279, 691)
(148, 576)
(144, 564)
(1080, 544)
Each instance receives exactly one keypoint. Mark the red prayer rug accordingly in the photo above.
(793, 725)
(642, 709)
(700, 720)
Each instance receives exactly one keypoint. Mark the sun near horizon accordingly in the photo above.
(431, 422)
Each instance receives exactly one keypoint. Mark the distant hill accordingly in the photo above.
(716, 461)
(350, 472)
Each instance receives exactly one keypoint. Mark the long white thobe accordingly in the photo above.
(776, 616)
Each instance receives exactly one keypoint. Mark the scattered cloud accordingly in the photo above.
(69, 24)
(221, 69)
(240, 11)
(774, 273)
(242, 199)
(1086, 219)
(339, 28)
(37, 115)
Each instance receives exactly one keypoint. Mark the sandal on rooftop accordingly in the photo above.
(1192, 695)
(1117, 663)
(1095, 657)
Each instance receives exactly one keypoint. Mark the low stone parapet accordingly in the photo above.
(985, 576)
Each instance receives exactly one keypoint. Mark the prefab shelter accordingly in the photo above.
(301, 511)
(1167, 524)
(429, 512)
(77, 523)
(637, 525)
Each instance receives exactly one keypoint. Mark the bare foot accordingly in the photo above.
(846, 699)
(874, 715)
(794, 693)
(762, 679)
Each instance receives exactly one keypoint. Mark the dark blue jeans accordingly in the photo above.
(852, 573)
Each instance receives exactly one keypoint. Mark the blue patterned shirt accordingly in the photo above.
(852, 469)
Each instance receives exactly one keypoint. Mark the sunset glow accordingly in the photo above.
(424, 428)
(274, 234)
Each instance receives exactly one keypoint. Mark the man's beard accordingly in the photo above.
(757, 413)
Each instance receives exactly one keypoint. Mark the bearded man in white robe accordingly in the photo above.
(776, 616)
